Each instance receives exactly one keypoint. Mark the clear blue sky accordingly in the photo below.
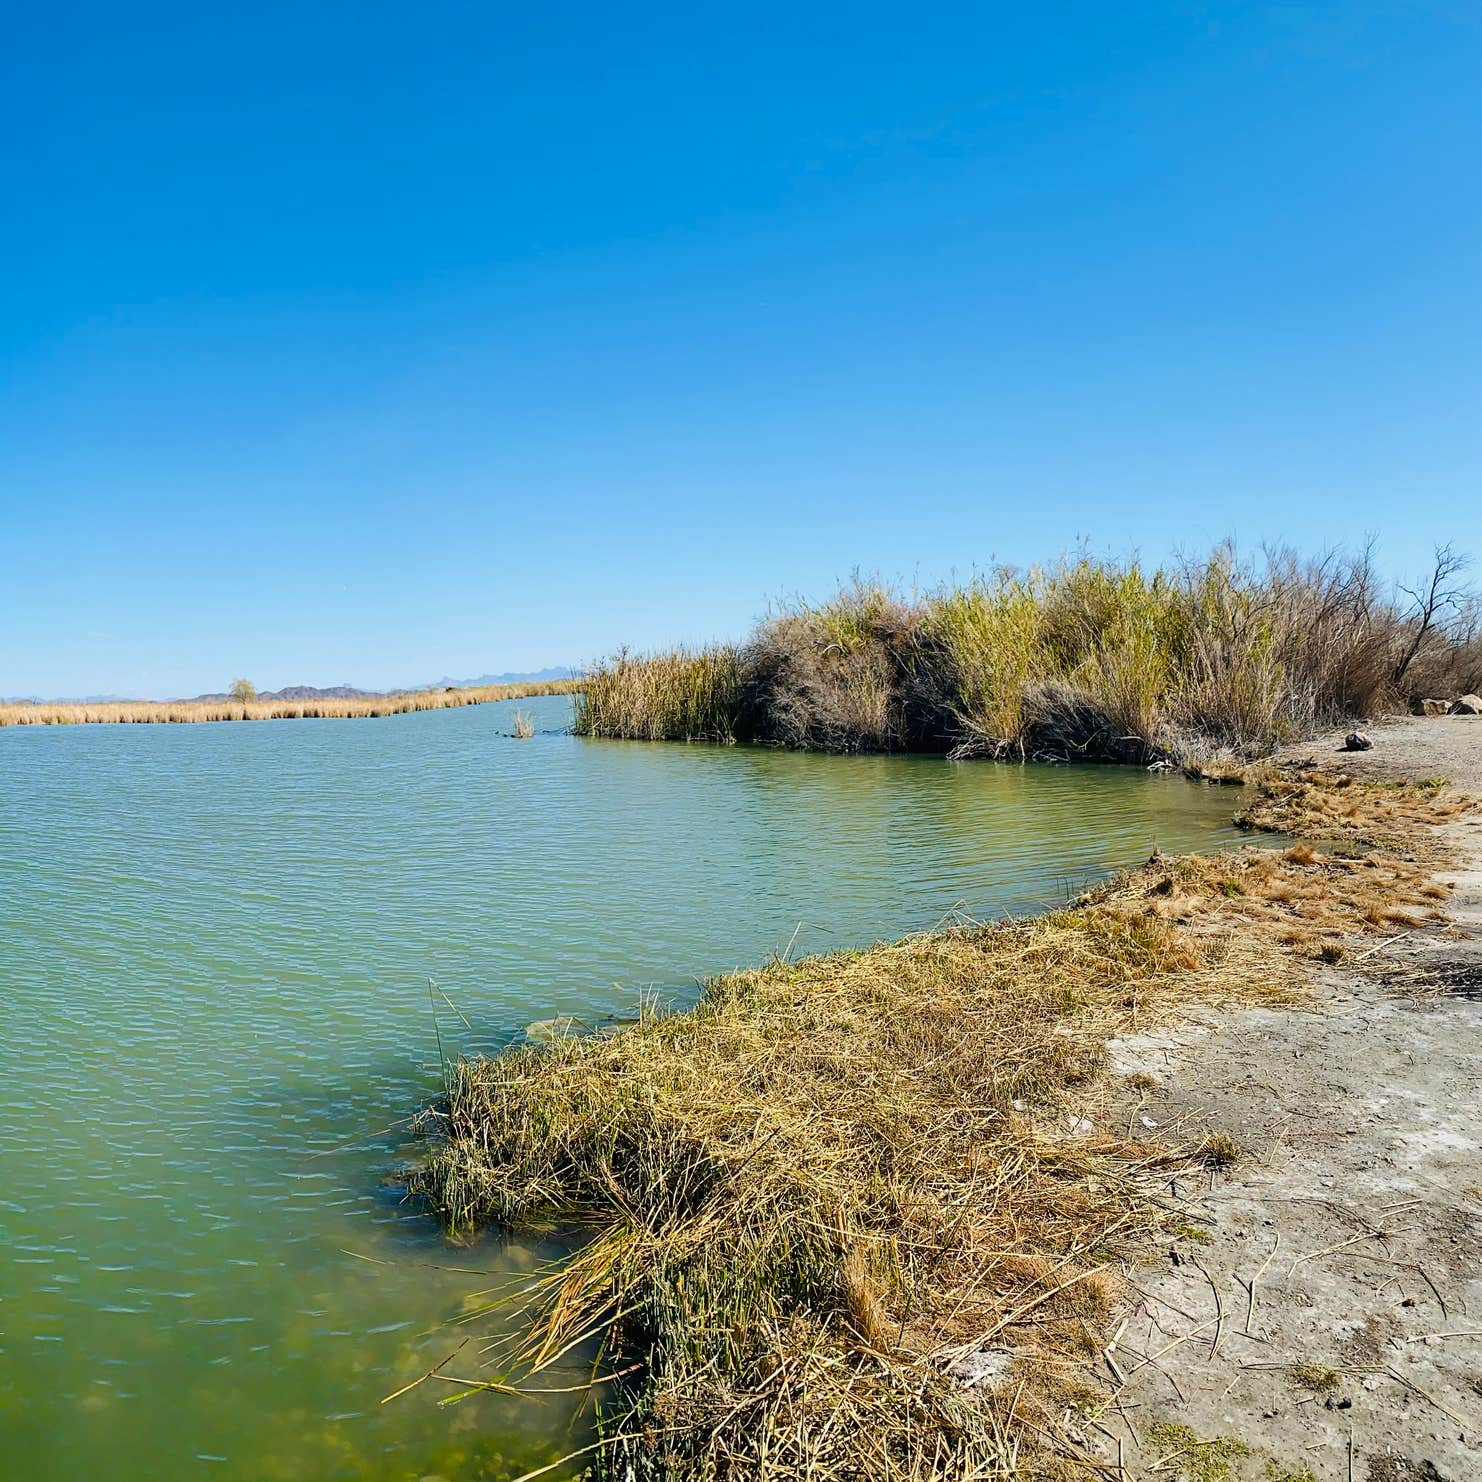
(378, 342)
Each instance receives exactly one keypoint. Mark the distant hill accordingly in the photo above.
(314, 692)
(533, 676)
(304, 692)
(73, 700)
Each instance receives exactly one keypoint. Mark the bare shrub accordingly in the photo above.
(830, 678)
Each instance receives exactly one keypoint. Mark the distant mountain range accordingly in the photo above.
(314, 692)
(301, 692)
(350, 692)
(70, 700)
(534, 676)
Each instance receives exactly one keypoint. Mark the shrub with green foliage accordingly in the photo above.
(1090, 659)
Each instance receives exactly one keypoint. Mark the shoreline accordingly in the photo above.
(1331, 1306)
(191, 712)
(705, 1129)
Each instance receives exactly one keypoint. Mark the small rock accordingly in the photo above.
(1467, 705)
(1356, 741)
(987, 1366)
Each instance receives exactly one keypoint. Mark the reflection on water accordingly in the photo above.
(214, 950)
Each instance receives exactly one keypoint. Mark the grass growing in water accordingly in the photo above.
(1087, 659)
(684, 695)
(157, 712)
(813, 1195)
(857, 1216)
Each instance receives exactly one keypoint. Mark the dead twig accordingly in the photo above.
(1250, 1286)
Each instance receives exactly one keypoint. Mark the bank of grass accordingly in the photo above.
(167, 712)
(1088, 659)
(861, 1215)
(685, 694)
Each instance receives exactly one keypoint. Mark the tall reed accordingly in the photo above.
(162, 712)
(683, 695)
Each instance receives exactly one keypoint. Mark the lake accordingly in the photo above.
(215, 947)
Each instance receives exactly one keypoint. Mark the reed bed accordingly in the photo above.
(1088, 659)
(867, 1215)
(172, 712)
(683, 695)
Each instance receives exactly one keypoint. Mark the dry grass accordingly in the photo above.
(170, 712)
(524, 726)
(1311, 804)
(815, 1194)
(824, 1199)
(830, 678)
(683, 695)
(1373, 879)
(1319, 1379)
(1208, 661)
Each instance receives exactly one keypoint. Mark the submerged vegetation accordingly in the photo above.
(868, 1215)
(146, 712)
(1089, 659)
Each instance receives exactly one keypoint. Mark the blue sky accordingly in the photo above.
(378, 342)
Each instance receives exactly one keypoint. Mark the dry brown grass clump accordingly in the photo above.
(1310, 905)
(852, 1217)
(833, 678)
(1308, 803)
(817, 1196)
(1372, 875)
(159, 712)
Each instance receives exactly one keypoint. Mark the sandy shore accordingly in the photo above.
(1326, 1313)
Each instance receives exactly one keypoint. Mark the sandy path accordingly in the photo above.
(1358, 1215)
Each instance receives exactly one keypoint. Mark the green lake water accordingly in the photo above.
(215, 942)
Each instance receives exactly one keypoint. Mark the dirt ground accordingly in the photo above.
(1322, 1317)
